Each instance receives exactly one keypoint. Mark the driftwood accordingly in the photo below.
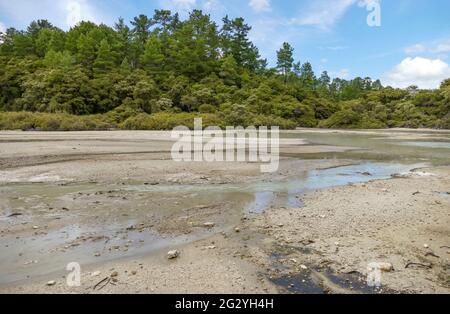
(104, 281)
(15, 215)
(429, 266)
(432, 254)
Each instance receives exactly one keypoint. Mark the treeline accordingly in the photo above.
(161, 71)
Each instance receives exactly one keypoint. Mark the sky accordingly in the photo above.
(401, 42)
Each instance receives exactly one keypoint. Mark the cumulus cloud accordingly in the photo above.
(2, 27)
(423, 72)
(260, 5)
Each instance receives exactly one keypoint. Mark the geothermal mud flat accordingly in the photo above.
(116, 203)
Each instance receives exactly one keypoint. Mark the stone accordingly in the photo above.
(173, 254)
(386, 267)
(114, 274)
(209, 224)
(51, 283)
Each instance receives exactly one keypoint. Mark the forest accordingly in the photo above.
(158, 72)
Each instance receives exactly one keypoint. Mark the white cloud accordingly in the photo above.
(181, 6)
(215, 8)
(260, 5)
(423, 72)
(415, 49)
(323, 14)
(77, 11)
(436, 48)
(63, 13)
(342, 73)
(368, 3)
(2, 27)
(443, 47)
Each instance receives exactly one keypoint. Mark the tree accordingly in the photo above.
(105, 59)
(307, 76)
(235, 42)
(86, 51)
(285, 60)
(141, 28)
(152, 58)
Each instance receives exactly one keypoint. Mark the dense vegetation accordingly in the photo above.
(160, 71)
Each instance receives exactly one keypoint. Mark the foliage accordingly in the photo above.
(161, 71)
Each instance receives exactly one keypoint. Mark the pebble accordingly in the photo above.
(386, 267)
(114, 274)
(303, 267)
(95, 274)
(209, 224)
(173, 254)
(51, 283)
(237, 230)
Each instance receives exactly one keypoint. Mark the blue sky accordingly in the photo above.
(411, 46)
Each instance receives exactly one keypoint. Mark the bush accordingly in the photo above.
(52, 122)
(168, 121)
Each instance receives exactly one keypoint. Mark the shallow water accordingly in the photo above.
(97, 219)
(391, 146)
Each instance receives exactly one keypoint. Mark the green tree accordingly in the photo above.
(285, 60)
(105, 59)
(307, 76)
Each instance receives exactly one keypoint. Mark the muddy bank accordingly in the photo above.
(117, 207)
(403, 221)
(323, 247)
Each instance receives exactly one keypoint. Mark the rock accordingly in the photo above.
(97, 254)
(133, 272)
(114, 274)
(386, 267)
(209, 224)
(307, 242)
(237, 230)
(211, 247)
(426, 246)
(35, 227)
(95, 274)
(51, 283)
(173, 254)
(304, 267)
